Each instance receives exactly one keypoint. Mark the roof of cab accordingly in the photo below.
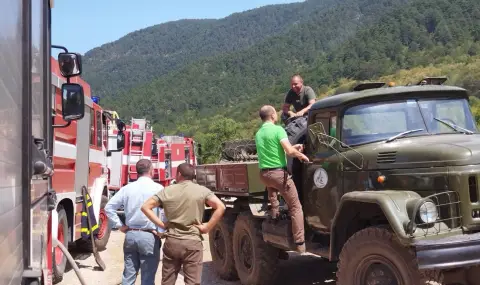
(343, 98)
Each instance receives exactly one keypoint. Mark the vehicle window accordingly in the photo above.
(92, 127)
(54, 95)
(454, 111)
(333, 126)
(37, 70)
(99, 128)
(373, 122)
(324, 119)
(380, 121)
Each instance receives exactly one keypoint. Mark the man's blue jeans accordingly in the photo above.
(141, 252)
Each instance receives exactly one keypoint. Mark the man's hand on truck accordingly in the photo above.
(298, 147)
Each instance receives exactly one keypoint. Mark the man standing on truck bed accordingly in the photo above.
(272, 143)
(300, 96)
(184, 205)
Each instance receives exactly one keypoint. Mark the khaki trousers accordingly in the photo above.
(178, 252)
(278, 180)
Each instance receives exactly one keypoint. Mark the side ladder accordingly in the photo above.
(136, 145)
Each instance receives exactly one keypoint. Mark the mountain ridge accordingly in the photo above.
(157, 50)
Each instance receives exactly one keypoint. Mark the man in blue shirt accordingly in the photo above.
(142, 243)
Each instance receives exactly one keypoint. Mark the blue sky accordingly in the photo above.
(83, 25)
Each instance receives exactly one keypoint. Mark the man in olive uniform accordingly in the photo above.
(184, 205)
(300, 96)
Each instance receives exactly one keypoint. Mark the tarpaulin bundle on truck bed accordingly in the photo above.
(239, 150)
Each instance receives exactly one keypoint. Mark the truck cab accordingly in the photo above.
(390, 191)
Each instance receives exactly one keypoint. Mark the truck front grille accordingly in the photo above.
(473, 189)
(387, 157)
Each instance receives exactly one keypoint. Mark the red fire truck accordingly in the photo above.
(171, 152)
(80, 159)
(166, 153)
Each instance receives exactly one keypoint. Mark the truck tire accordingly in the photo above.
(103, 234)
(374, 250)
(255, 260)
(59, 260)
(221, 248)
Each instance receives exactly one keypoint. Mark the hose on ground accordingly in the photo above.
(70, 260)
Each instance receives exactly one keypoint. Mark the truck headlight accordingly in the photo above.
(428, 212)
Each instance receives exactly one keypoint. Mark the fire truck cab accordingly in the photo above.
(166, 153)
(80, 159)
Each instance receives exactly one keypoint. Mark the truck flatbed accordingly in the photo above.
(239, 179)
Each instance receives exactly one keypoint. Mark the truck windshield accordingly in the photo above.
(379, 121)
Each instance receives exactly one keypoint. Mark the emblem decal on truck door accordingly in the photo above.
(320, 178)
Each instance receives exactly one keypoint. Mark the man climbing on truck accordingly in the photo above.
(272, 144)
(300, 96)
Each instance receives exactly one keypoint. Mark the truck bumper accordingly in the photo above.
(451, 252)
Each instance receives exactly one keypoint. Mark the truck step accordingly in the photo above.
(279, 234)
(317, 249)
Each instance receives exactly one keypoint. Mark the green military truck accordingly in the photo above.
(391, 192)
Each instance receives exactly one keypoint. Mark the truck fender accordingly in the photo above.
(361, 206)
(96, 194)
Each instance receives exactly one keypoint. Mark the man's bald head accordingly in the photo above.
(296, 83)
(297, 77)
(267, 112)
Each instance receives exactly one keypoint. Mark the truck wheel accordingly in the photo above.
(255, 260)
(221, 248)
(373, 256)
(59, 260)
(103, 232)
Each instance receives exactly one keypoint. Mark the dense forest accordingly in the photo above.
(143, 55)
(216, 97)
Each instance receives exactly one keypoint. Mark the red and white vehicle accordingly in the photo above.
(79, 159)
(172, 151)
(166, 153)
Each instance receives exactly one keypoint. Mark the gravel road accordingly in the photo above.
(298, 270)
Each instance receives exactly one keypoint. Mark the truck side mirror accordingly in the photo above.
(120, 140)
(73, 101)
(120, 125)
(199, 149)
(70, 64)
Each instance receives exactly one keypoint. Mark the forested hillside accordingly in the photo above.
(148, 53)
(212, 85)
(216, 98)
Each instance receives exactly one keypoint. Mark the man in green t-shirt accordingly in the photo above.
(272, 144)
(300, 96)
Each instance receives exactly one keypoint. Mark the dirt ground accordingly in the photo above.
(298, 270)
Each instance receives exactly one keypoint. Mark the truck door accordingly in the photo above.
(85, 137)
(39, 139)
(320, 194)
